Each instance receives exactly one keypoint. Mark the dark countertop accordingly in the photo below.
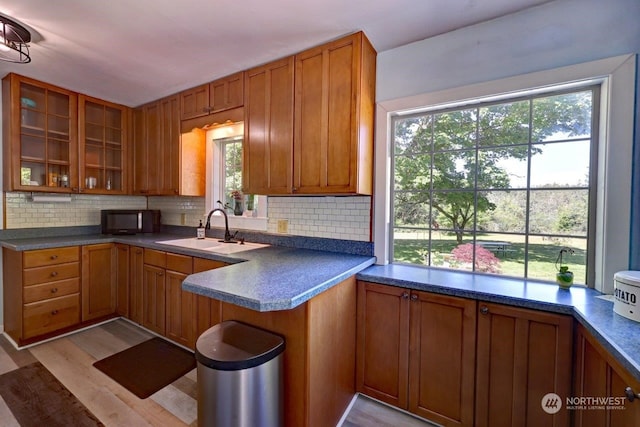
(619, 335)
(266, 279)
(280, 278)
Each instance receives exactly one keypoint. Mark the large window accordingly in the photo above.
(498, 187)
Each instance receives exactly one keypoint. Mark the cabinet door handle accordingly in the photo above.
(294, 189)
(484, 310)
(54, 273)
(54, 312)
(54, 256)
(631, 395)
(54, 290)
(405, 295)
(414, 297)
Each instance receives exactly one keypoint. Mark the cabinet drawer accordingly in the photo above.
(179, 263)
(42, 257)
(50, 315)
(157, 258)
(50, 273)
(50, 290)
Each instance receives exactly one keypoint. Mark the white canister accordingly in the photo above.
(627, 294)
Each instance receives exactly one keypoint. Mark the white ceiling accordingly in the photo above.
(135, 51)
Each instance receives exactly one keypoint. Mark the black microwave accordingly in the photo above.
(129, 221)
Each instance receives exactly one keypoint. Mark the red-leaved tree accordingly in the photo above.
(486, 261)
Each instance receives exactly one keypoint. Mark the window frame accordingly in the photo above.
(530, 96)
(616, 76)
(215, 186)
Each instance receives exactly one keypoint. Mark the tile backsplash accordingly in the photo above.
(346, 218)
(186, 211)
(84, 209)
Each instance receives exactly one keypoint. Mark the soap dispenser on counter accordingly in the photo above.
(200, 231)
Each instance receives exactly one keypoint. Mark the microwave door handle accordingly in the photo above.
(139, 221)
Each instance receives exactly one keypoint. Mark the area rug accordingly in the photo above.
(36, 398)
(147, 367)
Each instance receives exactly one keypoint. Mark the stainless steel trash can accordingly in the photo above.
(239, 376)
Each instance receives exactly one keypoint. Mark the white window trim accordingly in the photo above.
(617, 75)
(212, 194)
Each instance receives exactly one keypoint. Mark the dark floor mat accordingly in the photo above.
(36, 398)
(147, 367)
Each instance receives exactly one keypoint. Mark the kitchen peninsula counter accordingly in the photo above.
(265, 279)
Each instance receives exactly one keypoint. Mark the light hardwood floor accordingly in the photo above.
(70, 360)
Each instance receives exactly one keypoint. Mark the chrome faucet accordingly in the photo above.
(228, 237)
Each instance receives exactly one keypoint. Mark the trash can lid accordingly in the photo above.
(233, 345)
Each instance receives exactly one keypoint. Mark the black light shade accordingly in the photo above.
(14, 39)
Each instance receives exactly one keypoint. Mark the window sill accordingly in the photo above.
(241, 222)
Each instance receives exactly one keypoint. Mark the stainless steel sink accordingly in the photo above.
(212, 245)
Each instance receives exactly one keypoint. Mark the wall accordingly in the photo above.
(552, 35)
(548, 37)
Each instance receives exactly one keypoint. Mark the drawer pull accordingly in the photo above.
(54, 256)
(54, 273)
(630, 394)
(54, 290)
(405, 295)
(484, 310)
(54, 312)
(414, 297)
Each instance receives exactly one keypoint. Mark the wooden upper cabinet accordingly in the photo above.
(219, 95)
(268, 128)
(226, 93)
(169, 146)
(146, 153)
(166, 162)
(103, 146)
(194, 102)
(40, 136)
(334, 110)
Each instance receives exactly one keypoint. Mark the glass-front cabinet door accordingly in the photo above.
(41, 136)
(102, 146)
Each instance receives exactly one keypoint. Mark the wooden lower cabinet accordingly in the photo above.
(156, 298)
(41, 293)
(122, 278)
(597, 374)
(180, 305)
(209, 310)
(136, 279)
(98, 281)
(416, 351)
(154, 291)
(522, 355)
(319, 359)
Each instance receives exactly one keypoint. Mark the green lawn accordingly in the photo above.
(412, 248)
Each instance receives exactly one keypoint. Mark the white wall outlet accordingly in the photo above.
(283, 226)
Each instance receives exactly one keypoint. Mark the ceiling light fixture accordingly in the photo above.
(14, 39)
